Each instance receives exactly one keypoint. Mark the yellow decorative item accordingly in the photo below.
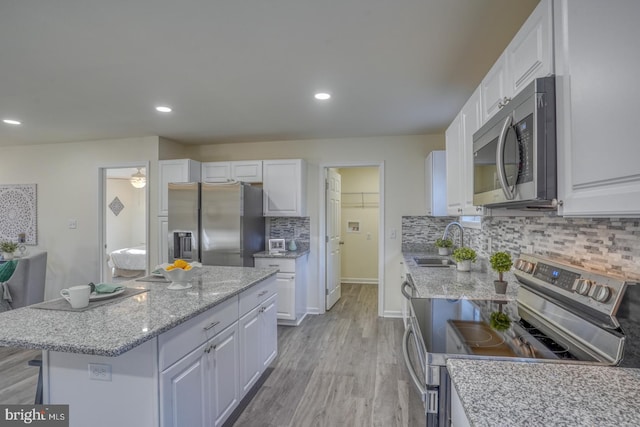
(180, 273)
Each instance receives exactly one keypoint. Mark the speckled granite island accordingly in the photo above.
(448, 282)
(543, 394)
(159, 358)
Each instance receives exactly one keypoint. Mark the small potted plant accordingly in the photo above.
(8, 248)
(444, 246)
(464, 256)
(501, 263)
(499, 321)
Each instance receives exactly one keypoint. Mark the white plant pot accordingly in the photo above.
(7, 255)
(464, 265)
(443, 251)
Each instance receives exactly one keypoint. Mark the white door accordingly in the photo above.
(333, 248)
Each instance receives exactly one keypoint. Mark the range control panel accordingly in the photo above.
(597, 291)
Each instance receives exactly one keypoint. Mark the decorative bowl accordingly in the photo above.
(179, 277)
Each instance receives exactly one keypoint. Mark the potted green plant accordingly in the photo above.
(501, 263)
(499, 321)
(444, 246)
(464, 256)
(8, 248)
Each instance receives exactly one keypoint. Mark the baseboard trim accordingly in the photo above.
(392, 314)
(286, 322)
(363, 281)
(313, 310)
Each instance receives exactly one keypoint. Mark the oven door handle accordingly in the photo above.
(404, 290)
(412, 372)
(509, 192)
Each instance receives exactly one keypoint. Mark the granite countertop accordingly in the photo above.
(302, 250)
(546, 394)
(448, 282)
(113, 329)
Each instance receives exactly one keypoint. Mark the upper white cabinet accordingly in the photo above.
(528, 56)
(459, 154)
(181, 170)
(246, 171)
(436, 183)
(284, 188)
(454, 168)
(597, 104)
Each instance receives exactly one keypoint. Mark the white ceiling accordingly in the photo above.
(243, 70)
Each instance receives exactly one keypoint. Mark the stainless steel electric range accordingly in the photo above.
(562, 314)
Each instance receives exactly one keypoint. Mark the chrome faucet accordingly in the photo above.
(446, 231)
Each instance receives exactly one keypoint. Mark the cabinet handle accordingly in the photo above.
(210, 325)
(263, 293)
(274, 265)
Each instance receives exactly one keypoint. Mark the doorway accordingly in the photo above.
(353, 225)
(123, 211)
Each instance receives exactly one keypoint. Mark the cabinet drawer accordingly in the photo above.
(177, 342)
(257, 294)
(286, 265)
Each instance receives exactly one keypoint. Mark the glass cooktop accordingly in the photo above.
(490, 328)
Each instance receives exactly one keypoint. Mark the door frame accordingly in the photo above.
(322, 267)
(102, 207)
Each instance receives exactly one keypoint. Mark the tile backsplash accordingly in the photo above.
(298, 228)
(610, 245)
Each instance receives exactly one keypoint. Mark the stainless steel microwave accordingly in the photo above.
(514, 153)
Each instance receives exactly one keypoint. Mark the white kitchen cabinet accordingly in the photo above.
(436, 183)
(454, 170)
(292, 288)
(459, 156)
(246, 171)
(257, 332)
(284, 187)
(528, 56)
(181, 170)
(458, 416)
(163, 240)
(203, 386)
(597, 103)
(224, 374)
(184, 392)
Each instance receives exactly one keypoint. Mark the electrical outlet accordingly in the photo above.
(100, 372)
(393, 233)
(489, 245)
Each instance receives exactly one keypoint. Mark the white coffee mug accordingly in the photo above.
(78, 296)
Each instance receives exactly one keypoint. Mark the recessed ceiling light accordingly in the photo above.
(322, 96)
(163, 109)
(12, 122)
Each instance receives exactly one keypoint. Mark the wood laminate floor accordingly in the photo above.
(342, 368)
(17, 379)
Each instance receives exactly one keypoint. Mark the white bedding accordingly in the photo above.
(129, 258)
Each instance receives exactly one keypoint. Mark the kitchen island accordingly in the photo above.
(491, 393)
(162, 357)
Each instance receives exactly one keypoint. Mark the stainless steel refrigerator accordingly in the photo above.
(216, 224)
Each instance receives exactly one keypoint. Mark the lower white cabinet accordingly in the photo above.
(259, 341)
(458, 416)
(202, 388)
(292, 287)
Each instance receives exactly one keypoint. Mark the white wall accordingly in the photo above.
(127, 229)
(67, 180)
(403, 159)
(359, 259)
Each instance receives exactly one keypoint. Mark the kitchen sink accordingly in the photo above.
(433, 262)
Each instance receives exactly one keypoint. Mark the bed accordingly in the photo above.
(128, 262)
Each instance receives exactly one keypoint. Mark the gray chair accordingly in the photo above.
(26, 285)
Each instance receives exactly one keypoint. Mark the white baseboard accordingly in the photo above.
(392, 313)
(313, 310)
(368, 281)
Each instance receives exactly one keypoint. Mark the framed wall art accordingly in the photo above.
(18, 213)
